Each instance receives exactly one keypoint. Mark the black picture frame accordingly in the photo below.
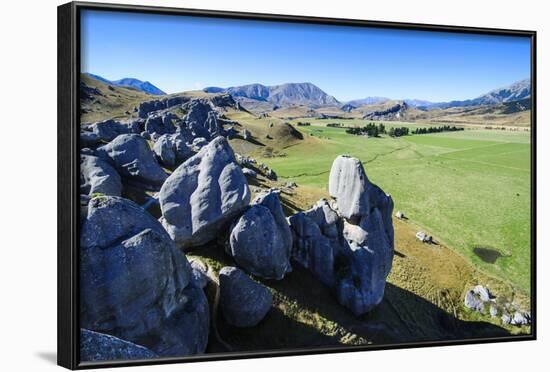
(68, 185)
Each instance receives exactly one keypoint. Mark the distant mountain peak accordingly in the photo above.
(144, 86)
(287, 94)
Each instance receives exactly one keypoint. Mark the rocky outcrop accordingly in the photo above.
(131, 156)
(107, 130)
(203, 195)
(135, 284)
(394, 112)
(317, 236)
(243, 301)
(89, 139)
(96, 346)
(481, 300)
(348, 183)
(161, 123)
(98, 176)
(261, 241)
(146, 108)
(202, 120)
(172, 149)
(348, 245)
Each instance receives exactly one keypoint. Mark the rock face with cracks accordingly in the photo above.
(96, 346)
(135, 284)
(261, 241)
(203, 195)
(98, 176)
(348, 244)
(131, 156)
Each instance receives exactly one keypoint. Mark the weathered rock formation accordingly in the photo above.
(394, 112)
(202, 120)
(98, 176)
(172, 149)
(261, 241)
(243, 301)
(135, 284)
(348, 245)
(161, 123)
(107, 130)
(89, 139)
(96, 346)
(131, 156)
(203, 195)
(146, 108)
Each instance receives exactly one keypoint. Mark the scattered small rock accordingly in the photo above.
(423, 237)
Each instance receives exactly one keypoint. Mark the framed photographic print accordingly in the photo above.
(236, 185)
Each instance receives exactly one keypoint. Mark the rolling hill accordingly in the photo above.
(144, 86)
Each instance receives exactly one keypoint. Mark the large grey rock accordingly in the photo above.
(135, 126)
(161, 124)
(96, 346)
(98, 176)
(134, 160)
(243, 301)
(317, 241)
(172, 149)
(348, 183)
(145, 109)
(203, 195)
(135, 284)
(348, 245)
(107, 130)
(165, 150)
(89, 139)
(261, 241)
(202, 120)
(367, 259)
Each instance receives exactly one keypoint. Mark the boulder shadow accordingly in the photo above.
(401, 317)
(488, 255)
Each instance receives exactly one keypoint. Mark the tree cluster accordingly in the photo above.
(445, 128)
(371, 130)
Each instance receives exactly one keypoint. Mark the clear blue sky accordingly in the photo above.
(179, 53)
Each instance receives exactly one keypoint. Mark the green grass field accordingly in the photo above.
(470, 189)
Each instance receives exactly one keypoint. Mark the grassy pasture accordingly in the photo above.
(469, 189)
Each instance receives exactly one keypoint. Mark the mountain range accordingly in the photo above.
(309, 95)
(514, 92)
(144, 86)
(306, 94)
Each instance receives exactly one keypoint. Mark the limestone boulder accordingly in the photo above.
(135, 284)
(243, 301)
(261, 241)
(96, 346)
(203, 195)
(98, 176)
(133, 159)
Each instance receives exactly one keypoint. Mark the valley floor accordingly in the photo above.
(470, 189)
